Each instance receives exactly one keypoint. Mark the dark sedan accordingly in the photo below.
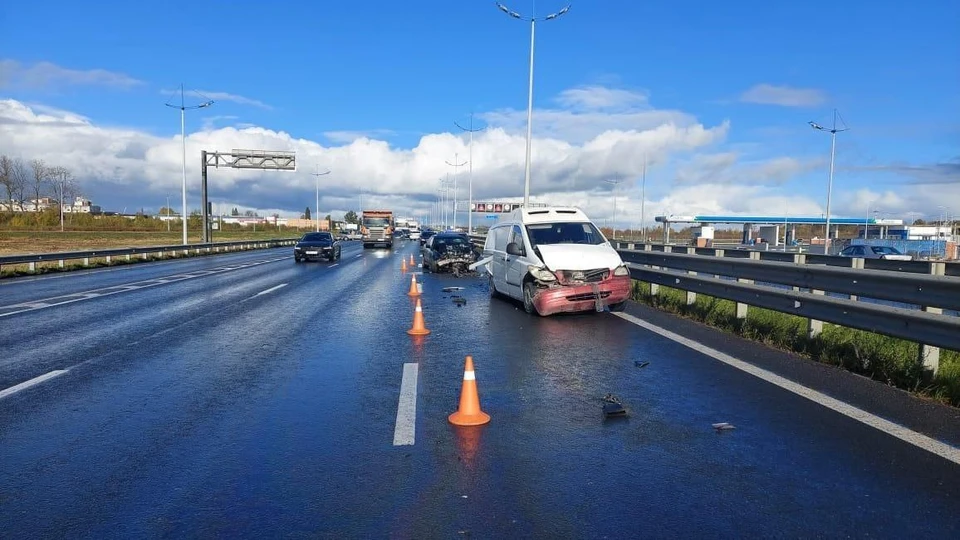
(316, 246)
(425, 234)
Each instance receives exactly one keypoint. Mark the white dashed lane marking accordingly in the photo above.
(33, 305)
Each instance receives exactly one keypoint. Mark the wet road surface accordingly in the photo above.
(260, 399)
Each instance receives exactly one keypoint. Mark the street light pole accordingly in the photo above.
(643, 200)
(456, 175)
(183, 149)
(318, 174)
(615, 184)
(833, 152)
(470, 160)
(533, 29)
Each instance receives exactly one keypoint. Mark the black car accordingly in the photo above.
(425, 234)
(317, 245)
(449, 252)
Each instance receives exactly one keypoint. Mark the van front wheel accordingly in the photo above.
(529, 291)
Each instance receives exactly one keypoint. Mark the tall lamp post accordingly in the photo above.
(615, 184)
(471, 131)
(533, 29)
(183, 147)
(456, 175)
(318, 174)
(833, 152)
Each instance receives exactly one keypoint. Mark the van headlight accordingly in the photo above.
(541, 274)
(621, 270)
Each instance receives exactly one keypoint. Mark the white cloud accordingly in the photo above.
(220, 96)
(600, 98)
(46, 76)
(729, 168)
(573, 152)
(768, 94)
(347, 137)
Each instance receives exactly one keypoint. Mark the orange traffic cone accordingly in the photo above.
(414, 290)
(412, 263)
(419, 329)
(403, 266)
(469, 413)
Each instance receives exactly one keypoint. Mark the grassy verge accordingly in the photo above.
(14, 242)
(889, 360)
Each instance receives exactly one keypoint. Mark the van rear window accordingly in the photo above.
(564, 233)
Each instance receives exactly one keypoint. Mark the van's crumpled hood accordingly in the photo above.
(579, 256)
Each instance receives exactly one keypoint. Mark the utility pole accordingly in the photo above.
(643, 200)
(318, 174)
(471, 131)
(456, 174)
(533, 29)
(833, 152)
(183, 148)
(615, 183)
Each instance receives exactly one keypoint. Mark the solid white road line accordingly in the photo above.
(334, 264)
(32, 382)
(903, 433)
(270, 290)
(403, 433)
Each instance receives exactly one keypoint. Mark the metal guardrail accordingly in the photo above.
(732, 278)
(145, 252)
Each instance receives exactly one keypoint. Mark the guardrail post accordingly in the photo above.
(33, 267)
(60, 263)
(930, 356)
(799, 258)
(741, 307)
(691, 296)
(718, 253)
(128, 257)
(857, 264)
(108, 259)
(654, 287)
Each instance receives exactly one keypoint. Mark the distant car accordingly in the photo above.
(426, 234)
(875, 252)
(316, 246)
(448, 252)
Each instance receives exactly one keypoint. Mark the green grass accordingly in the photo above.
(889, 360)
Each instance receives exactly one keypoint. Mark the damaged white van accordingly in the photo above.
(555, 260)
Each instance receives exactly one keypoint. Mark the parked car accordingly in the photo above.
(875, 252)
(448, 252)
(316, 246)
(555, 259)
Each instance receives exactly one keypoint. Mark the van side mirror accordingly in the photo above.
(514, 249)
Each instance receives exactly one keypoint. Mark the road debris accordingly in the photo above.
(612, 406)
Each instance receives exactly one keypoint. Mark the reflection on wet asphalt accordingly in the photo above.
(202, 409)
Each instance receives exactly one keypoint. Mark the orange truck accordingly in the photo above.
(376, 228)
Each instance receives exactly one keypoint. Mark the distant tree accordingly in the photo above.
(39, 181)
(18, 181)
(250, 213)
(329, 221)
(919, 222)
(306, 213)
(6, 174)
(350, 217)
(234, 212)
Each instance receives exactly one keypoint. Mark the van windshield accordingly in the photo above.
(564, 233)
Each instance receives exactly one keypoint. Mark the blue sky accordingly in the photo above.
(400, 71)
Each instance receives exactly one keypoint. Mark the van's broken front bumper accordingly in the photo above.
(586, 297)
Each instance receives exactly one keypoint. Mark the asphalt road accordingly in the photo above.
(244, 395)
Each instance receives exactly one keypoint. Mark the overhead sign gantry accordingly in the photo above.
(240, 159)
